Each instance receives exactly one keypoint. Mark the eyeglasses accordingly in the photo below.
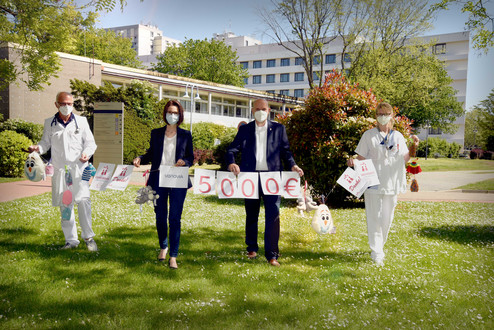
(384, 114)
(65, 103)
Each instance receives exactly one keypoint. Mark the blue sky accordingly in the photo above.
(200, 19)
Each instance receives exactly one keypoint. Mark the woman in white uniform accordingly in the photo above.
(389, 153)
(72, 145)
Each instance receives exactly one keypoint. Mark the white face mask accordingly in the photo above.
(172, 118)
(66, 109)
(383, 120)
(261, 116)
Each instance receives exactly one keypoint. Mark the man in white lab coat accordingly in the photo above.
(72, 145)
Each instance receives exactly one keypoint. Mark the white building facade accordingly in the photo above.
(274, 69)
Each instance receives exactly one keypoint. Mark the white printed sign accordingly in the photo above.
(121, 177)
(365, 168)
(271, 183)
(248, 185)
(205, 182)
(354, 183)
(290, 184)
(227, 184)
(174, 176)
(102, 177)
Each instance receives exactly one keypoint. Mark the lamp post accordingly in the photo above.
(192, 100)
(475, 137)
(427, 126)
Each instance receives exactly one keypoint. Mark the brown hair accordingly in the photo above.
(180, 111)
(385, 106)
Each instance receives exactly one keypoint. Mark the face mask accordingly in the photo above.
(66, 109)
(172, 118)
(261, 116)
(383, 120)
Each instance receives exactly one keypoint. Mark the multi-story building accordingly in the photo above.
(274, 69)
(147, 40)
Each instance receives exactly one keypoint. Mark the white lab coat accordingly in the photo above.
(67, 145)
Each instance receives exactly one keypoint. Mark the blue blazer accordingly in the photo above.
(154, 154)
(277, 148)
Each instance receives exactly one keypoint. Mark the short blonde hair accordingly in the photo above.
(385, 106)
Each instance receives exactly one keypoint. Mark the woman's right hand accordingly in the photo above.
(137, 161)
(349, 162)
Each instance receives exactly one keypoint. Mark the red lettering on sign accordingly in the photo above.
(201, 182)
(289, 187)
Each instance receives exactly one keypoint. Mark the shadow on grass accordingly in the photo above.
(461, 234)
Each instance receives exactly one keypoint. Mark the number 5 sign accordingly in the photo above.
(204, 182)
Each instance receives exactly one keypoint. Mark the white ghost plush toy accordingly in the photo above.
(34, 168)
(322, 222)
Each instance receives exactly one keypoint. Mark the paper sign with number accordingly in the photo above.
(271, 183)
(121, 177)
(102, 177)
(365, 168)
(204, 182)
(174, 176)
(290, 184)
(227, 184)
(248, 185)
(352, 182)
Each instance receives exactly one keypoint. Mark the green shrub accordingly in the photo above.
(137, 135)
(12, 158)
(32, 131)
(438, 147)
(324, 133)
(220, 150)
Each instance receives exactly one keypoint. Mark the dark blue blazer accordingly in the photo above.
(154, 154)
(277, 148)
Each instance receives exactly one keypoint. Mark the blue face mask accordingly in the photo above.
(172, 118)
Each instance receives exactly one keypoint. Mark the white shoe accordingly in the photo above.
(379, 262)
(91, 245)
(68, 246)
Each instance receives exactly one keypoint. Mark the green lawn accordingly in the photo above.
(451, 164)
(482, 185)
(439, 270)
(4, 180)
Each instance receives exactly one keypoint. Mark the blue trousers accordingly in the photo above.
(177, 198)
(272, 224)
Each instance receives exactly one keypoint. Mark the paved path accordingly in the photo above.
(433, 186)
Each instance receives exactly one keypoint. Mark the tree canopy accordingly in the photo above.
(209, 60)
(41, 28)
(479, 124)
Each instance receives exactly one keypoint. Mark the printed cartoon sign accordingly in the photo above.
(174, 176)
(102, 177)
(365, 168)
(354, 183)
(121, 177)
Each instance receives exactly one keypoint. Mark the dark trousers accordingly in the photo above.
(177, 198)
(272, 224)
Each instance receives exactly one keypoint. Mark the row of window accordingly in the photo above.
(286, 92)
(284, 78)
(329, 59)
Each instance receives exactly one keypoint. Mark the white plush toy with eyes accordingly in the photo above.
(34, 168)
(322, 222)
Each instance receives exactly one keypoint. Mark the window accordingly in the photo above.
(269, 78)
(298, 93)
(270, 91)
(256, 79)
(317, 60)
(257, 64)
(299, 76)
(315, 76)
(285, 92)
(245, 65)
(435, 131)
(285, 62)
(299, 61)
(438, 49)
(346, 58)
(246, 81)
(330, 59)
(270, 63)
(284, 77)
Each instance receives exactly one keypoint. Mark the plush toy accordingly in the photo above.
(305, 202)
(414, 167)
(88, 172)
(322, 222)
(67, 198)
(146, 194)
(34, 168)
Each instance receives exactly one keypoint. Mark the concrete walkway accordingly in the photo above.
(433, 186)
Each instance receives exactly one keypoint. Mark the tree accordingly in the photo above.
(106, 46)
(480, 22)
(414, 80)
(479, 124)
(304, 27)
(324, 133)
(40, 28)
(212, 61)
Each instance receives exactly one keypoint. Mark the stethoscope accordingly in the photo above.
(386, 140)
(54, 122)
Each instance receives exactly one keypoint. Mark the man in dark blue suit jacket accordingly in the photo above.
(264, 146)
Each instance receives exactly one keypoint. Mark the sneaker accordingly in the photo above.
(91, 245)
(69, 246)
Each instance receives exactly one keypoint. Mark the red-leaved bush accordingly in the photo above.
(324, 133)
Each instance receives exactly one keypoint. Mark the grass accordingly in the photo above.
(451, 164)
(482, 185)
(4, 180)
(438, 272)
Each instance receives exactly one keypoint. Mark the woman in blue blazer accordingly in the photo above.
(170, 145)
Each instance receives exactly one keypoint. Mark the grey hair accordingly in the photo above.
(58, 94)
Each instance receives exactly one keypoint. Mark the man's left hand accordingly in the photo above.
(84, 158)
(297, 169)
